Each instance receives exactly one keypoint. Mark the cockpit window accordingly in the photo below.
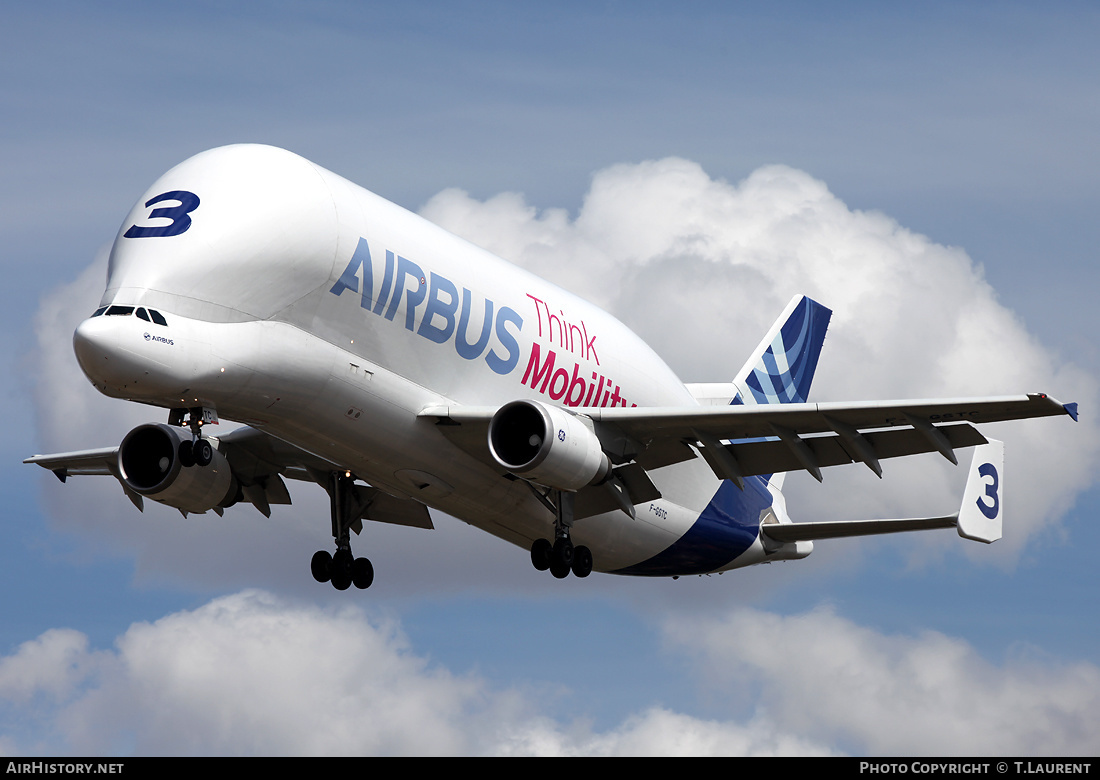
(149, 315)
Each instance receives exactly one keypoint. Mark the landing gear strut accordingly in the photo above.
(198, 451)
(342, 568)
(561, 557)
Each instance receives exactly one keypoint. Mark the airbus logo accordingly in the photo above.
(445, 314)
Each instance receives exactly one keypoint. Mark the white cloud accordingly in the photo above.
(252, 673)
(659, 732)
(828, 679)
(52, 664)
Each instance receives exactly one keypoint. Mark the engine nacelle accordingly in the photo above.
(149, 464)
(547, 445)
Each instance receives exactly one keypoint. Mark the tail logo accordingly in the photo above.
(785, 370)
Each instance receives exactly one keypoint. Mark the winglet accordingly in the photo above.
(983, 500)
(1071, 410)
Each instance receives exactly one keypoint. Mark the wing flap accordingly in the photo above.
(381, 507)
(598, 499)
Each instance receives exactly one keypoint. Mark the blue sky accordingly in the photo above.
(969, 127)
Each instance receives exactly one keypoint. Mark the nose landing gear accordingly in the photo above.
(198, 451)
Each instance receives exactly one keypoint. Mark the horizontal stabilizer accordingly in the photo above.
(808, 532)
(979, 517)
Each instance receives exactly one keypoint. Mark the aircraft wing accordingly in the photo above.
(100, 462)
(259, 462)
(738, 441)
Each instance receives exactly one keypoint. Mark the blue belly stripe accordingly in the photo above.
(725, 529)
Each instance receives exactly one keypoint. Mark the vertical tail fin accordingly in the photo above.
(782, 367)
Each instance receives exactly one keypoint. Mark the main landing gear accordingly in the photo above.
(561, 557)
(342, 568)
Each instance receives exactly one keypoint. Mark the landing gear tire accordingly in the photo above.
(186, 454)
(321, 566)
(563, 552)
(541, 553)
(203, 452)
(362, 573)
(582, 561)
(561, 559)
(340, 570)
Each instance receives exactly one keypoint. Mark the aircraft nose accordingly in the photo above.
(96, 343)
(93, 341)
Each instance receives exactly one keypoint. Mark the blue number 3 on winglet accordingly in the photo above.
(990, 511)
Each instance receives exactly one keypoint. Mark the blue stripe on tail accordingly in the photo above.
(785, 370)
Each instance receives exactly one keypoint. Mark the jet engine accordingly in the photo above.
(547, 445)
(150, 464)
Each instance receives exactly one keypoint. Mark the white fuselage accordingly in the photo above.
(311, 309)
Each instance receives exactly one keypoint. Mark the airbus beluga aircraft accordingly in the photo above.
(401, 368)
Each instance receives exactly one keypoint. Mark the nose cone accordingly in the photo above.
(107, 349)
(95, 342)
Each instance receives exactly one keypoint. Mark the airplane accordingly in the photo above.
(402, 368)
